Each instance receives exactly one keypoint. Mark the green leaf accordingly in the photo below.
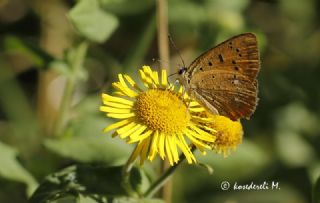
(232, 168)
(35, 54)
(186, 12)
(12, 169)
(63, 68)
(231, 5)
(96, 182)
(56, 186)
(316, 191)
(91, 149)
(300, 152)
(92, 22)
(60, 67)
(84, 199)
(206, 167)
(139, 181)
(84, 140)
(127, 7)
(136, 200)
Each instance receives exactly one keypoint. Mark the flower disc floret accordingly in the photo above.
(162, 110)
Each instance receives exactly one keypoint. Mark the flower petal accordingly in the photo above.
(168, 150)
(132, 83)
(123, 115)
(129, 132)
(136, 152)
(106, 98)
(173, 148)
(164, 79)
(155, 77)
(144, 151)
(161, 145)
(126, 128)
(114, 110)
(185, 149)
(138, 131)
(125, 90)
(117, 105)
(200, 145)
(197, 109)
(116, 125)
(141, 137)
(153, 148)
(202, 135)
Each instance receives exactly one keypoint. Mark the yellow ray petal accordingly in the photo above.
(123, 115)
(129, 132)
(107, 98)
(200, 145)
(196, 109)
(164, 79)
(138, 131)
(194, 103)
(211, 131)
(155, 77)
(136, 152)
(153, 148)
(181, 138)
(202, 135)
(114, 110)
(173, 146)
(126, 128)
(132, 83)
(125, 90)
(150, 76)
(161, 145)
(144, 151)
(168, 150)
(146, 81)
(119, 93)
(185, 150)
(116, 125)
(141, 137)
(117, 105)
(201, 119)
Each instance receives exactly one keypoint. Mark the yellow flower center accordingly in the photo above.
(162, 110)
(229, 134)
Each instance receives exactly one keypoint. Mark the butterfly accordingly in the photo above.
(223, 79)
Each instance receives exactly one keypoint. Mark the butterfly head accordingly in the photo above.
(182, 70)
(183, 77)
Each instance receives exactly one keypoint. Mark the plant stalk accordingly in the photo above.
(75, 65)
(126, 175)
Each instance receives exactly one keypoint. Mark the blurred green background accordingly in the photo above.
(40, 42)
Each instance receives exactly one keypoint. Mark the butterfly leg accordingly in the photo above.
(188, 106)
(183, 94)
(188, 102)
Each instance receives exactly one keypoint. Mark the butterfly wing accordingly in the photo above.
(223, 79)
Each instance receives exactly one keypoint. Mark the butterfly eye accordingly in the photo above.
(182, 70)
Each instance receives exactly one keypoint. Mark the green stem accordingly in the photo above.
(166, 176)
(139, 50)
(162, 180)
(126, 176)
(75, 62)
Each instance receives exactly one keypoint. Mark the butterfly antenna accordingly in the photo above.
(175, 47)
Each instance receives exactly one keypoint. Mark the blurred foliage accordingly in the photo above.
(87, 181)
(281, 140)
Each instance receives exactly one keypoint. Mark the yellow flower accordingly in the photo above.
(229, 134)
(157, 118)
